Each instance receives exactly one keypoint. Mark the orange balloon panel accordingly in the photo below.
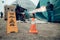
(11, 22)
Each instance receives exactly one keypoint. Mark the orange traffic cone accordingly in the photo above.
(33, 27)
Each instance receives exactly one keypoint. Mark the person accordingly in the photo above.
(33, 15)
(23, 17)
(19, 11)
(50, 8)
(1, 15)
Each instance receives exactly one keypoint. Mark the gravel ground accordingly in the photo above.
(48, 31)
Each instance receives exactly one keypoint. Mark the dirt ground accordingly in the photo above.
(47, 31)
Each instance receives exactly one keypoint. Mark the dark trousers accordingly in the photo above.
(20, 17)
(50, 16)
(17, 16)
(1, 16)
